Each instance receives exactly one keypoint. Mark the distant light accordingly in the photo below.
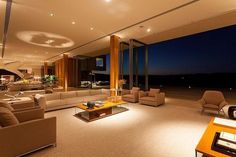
(73, 22)
(51, 14)
(91, 28)
(148, 30)
(189, 87)
(230, 89)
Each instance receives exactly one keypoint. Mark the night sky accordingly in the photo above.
(208, 52)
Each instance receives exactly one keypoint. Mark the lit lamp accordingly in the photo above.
(2, 79)
(121, 83)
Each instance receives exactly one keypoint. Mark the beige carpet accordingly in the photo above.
(171, 130)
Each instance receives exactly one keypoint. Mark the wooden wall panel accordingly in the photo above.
(65, 70)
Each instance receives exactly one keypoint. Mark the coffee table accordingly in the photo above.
(108, 108)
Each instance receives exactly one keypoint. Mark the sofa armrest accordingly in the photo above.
(22, 105)
(28, 115)
(28, 136)
(160, 97)
(136, 94)
(142, 94)
(202, 101)
(125, 91)
(222, 104)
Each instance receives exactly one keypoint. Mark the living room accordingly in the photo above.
(117, 78)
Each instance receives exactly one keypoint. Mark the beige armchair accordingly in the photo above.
(213, 100)
(152, 97)
(31, 133)
(131, 95)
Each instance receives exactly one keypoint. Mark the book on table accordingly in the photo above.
(226, 141)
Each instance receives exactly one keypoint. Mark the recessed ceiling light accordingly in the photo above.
(73, 22)
(148, 30)
(51, 14)
(49, 41)
(91, 28)
(108, 0)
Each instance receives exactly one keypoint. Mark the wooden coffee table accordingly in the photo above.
(108, 109)
(204, 145)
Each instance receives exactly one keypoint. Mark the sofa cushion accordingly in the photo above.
(95, 92)
(135, 89)
(75, 100)
(210, 106)
(82, 93)
(55, 103)
(153, 92)
(7, 118)
(148, 99)
(65, 95)
(213, 97)
(53, 96)
(131, 96)
(6, 105)
(101, 97)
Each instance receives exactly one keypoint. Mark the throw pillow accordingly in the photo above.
(6, 105)
(7, 118)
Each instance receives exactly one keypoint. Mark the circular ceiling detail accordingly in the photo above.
(45, 39)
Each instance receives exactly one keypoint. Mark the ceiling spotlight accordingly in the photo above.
(148, 30)
(73, 22)
(108, 0)
(51, 14)
(91, 28)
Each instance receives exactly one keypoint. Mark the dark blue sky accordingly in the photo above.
(208, 52)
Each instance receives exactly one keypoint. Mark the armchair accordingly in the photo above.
(131, 95)
(213, 100)
(152, 97)
(32, 133)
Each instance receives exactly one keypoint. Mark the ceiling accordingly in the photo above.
(40, 31)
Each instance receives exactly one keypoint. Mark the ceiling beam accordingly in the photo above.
(6, 25)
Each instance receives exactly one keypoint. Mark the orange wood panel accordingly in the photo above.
(45, 68)
(65, 71)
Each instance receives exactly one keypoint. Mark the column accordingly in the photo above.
(114, 63)
(45, 68)
(65, 71)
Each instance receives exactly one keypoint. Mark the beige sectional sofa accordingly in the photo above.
(61, 100)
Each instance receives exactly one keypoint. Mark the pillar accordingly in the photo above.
(45, 68)
(114, 64)
(65, 71)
